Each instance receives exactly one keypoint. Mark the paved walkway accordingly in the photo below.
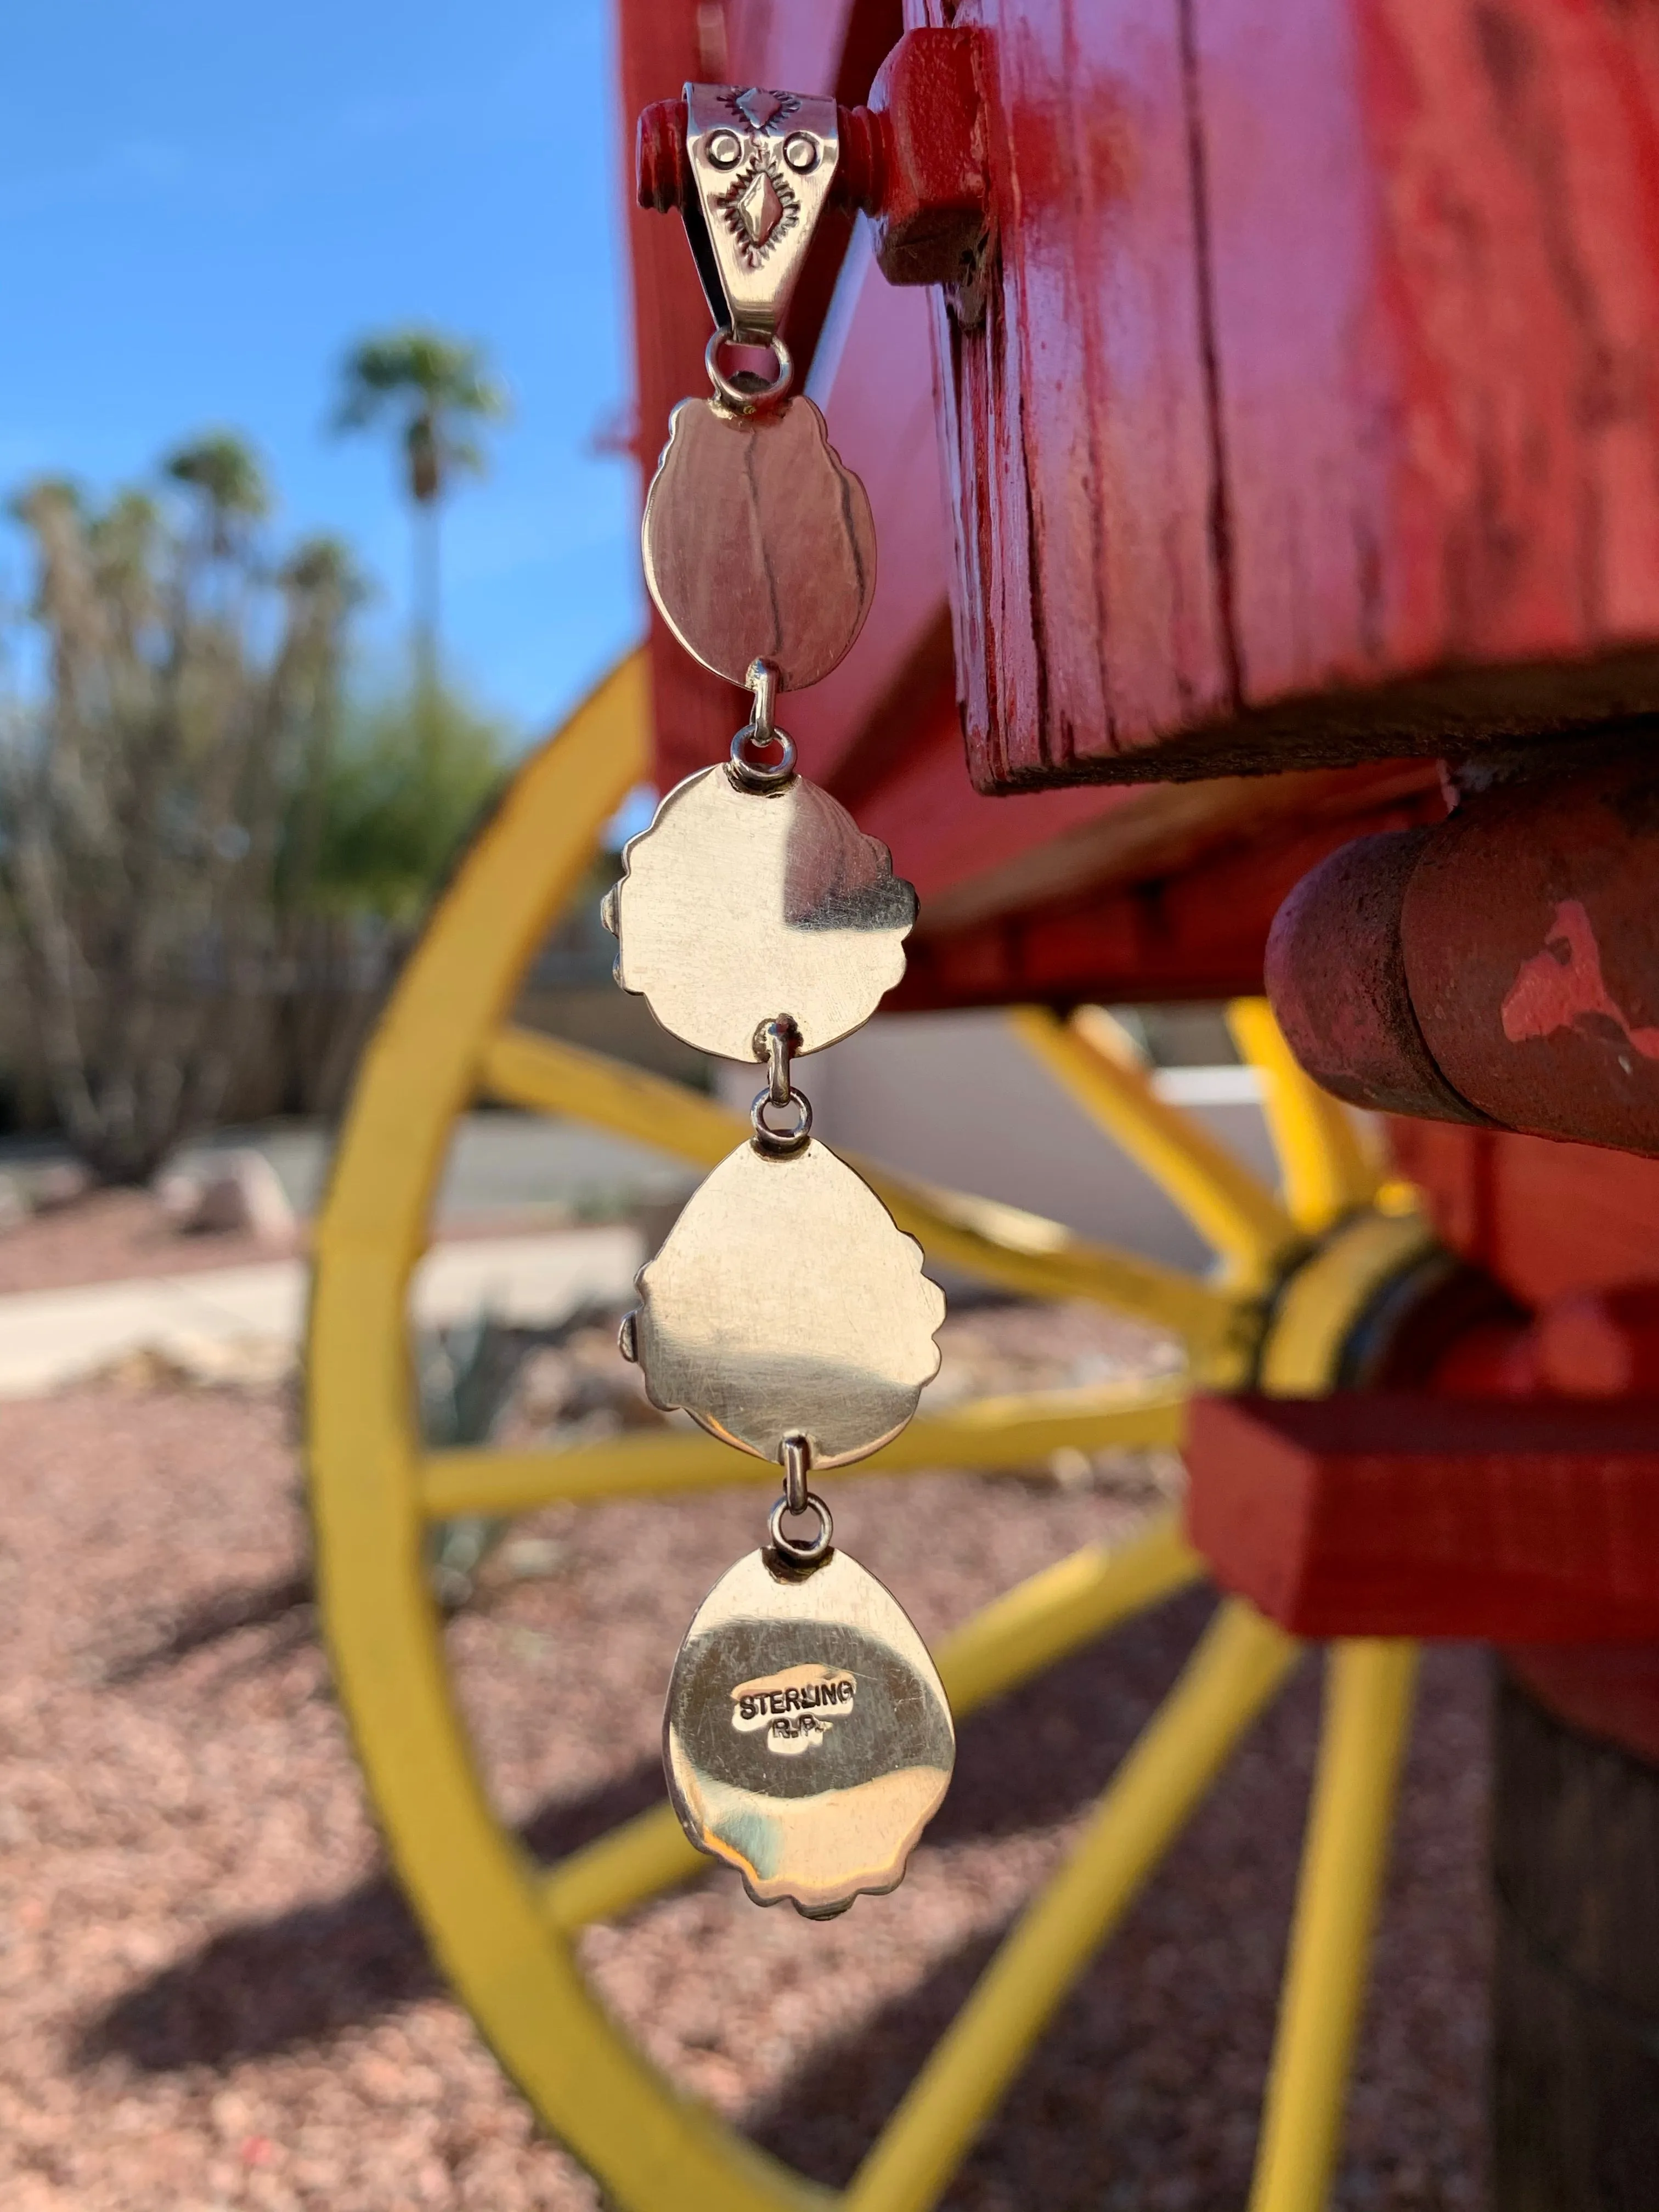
(231, 1320)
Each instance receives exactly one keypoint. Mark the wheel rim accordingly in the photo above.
(1289, 1270)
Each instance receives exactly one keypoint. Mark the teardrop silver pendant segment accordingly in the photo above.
(807, 1737)
(787, 1302)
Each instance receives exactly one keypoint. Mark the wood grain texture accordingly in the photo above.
(1075, 414)
(1575, 1840)
(873, 382)
(1315, 415)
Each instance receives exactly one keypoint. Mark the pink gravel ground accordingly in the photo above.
(211, 1996)
(110, 1236)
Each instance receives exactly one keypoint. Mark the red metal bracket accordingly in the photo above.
(914, 159)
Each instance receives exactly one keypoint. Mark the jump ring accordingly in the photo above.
(761, 677)
(797, 1457)
(762, 775)
(812, 1550)
(780, 1143)
(742, 393)
(776, 1043)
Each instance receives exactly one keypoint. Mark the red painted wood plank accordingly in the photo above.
(1076, 424)
(1359, 294)
(1368, 1515)
(1198, 932)
(975, 862)
(1545, 1218)
(793, 48)
(873, 379)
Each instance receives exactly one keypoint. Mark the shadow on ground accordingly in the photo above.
(1026, 1762)
(1145, 2091)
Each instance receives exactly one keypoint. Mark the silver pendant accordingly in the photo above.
(786, 1303)
(807, 1738)
(737, 905)
(758, 541)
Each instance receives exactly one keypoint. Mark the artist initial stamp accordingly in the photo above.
(797, 1707)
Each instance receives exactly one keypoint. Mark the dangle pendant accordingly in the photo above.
(807, 1737)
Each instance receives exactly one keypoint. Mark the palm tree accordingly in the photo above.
(438, 390)
(224, 472)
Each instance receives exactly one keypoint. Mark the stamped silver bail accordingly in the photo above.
(761, 163)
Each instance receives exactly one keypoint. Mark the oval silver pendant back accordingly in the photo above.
(758, 541)
(807, 1737)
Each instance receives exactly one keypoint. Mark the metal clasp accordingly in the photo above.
(761, 165)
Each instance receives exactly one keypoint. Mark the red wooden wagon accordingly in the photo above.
(1259, 409)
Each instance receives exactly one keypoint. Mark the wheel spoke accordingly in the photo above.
(989, 1433)
(1229, 1678)
(1041, 1620)
(1094, 1061)
(1323, 1159)
(1368, 1701)
(999, 1244)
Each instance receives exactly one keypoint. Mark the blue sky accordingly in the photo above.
(201, 205)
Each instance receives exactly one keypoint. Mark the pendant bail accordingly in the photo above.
(761, 165)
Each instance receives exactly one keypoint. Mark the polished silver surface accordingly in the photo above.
(797, 1465)
(778, 1041)
(738, 907)
(761, 165)
(780, 1144)
(787, 1302)
(802, 1550)
(807, 1737)
(758, 541)
(761, 677)
(754, 774)
(748, 392)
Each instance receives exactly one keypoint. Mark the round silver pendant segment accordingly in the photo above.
(737, 907)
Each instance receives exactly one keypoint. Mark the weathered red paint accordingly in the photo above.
(1563, 987)
(1528, 938)
(932, 192)
(1504, 966)
(1365, 1513)
(1335, 971)
(1314, 416)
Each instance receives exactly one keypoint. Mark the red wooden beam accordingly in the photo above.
(1502, 967)
(1512, 1521)
(1312, 416)
(1547, 1221)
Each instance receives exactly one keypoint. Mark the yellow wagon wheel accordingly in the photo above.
(1295, 1271)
